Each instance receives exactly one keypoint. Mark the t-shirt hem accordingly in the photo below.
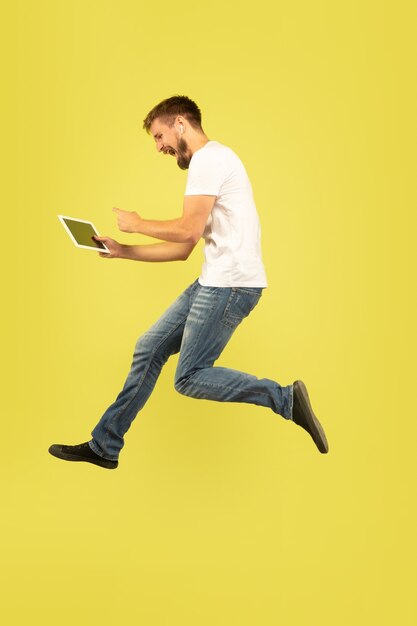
(235, 283)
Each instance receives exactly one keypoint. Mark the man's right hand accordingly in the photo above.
(116, 249)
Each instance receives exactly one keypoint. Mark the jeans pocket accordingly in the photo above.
(241, 302)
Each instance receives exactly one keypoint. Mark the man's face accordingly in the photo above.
(169, 141)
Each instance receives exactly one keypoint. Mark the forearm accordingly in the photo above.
(176, 231)
(187, 229)
(157, 252)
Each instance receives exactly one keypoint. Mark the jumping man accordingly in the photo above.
(218, 206)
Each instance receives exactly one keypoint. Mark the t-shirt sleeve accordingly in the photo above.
(206, 175)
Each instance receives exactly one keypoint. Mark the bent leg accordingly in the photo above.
(214, 316)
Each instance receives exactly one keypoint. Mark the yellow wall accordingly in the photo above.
(218, 514)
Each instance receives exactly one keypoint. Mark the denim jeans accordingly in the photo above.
(198, 325)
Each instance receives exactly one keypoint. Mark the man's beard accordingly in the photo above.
(183, 160)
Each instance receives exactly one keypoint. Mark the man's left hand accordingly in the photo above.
(127, 221)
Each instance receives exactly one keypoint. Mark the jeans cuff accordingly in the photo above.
(97, 451)
(291, 401)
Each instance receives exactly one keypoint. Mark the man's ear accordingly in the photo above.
(180, 121)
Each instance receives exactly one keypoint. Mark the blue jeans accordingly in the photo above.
(198, 325)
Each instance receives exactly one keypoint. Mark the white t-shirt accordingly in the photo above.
(232, 234)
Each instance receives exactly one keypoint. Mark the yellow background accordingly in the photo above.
(217, 514)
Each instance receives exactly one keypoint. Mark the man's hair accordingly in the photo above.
(168, 109)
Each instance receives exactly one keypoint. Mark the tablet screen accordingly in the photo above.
(82, 233)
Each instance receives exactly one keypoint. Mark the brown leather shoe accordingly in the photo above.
(303, 416)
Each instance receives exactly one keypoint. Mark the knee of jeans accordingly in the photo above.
(144, 345)
(182, 384)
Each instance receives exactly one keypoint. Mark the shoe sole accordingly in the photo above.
(316, 429)
(106, 463)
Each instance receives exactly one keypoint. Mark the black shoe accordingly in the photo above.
(303, 416)
(82, 452)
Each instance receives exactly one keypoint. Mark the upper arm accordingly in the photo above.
(195, 214)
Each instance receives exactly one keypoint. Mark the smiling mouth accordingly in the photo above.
(170, 151)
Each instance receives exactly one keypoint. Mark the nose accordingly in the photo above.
(159, 145)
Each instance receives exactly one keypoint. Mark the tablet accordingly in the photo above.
(81, 233)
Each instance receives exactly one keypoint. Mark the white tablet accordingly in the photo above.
(81, 233)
